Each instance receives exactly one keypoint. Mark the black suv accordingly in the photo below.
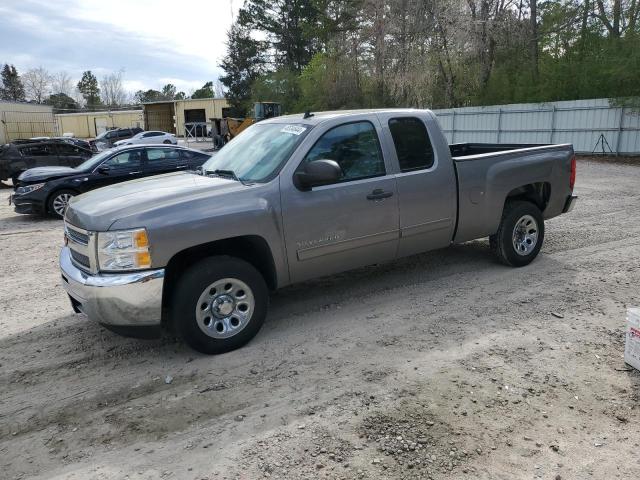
(47, 190)
(107, 139)
(18, 156)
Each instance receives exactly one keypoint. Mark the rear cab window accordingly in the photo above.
(412, 143)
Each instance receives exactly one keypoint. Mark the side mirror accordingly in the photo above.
(316, 173)
(104, 169)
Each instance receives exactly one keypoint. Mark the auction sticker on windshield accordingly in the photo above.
(294, 129)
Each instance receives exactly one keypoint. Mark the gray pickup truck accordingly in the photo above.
(293, 198)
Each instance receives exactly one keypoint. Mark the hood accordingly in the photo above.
(40, 174)
(98, 209)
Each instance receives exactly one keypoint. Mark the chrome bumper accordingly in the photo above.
(128, 299)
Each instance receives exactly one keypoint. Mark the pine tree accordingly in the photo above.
(11, 87)
(88, 86)
(243, 64)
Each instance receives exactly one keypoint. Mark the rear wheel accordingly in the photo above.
(520, 234)
(58, 202)
(219, 304)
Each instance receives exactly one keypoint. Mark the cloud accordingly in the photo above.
(153, 41)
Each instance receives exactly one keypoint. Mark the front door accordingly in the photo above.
(119, 168)
(348, 224)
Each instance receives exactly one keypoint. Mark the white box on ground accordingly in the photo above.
(632, 345)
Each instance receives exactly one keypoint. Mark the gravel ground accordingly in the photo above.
(442, 365)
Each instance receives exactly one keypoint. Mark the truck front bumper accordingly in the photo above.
(117, 300)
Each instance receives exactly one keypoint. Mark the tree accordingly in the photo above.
(61, 83)
(148, 96)
(180, 96)
(113, 93)
(11, 87)
(169, 91)
(88, 86)
(37, 84)
(62, 103)
(243, 64)
(206, 91)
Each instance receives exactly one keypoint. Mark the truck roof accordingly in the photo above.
(319, 117)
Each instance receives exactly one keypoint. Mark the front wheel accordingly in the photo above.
(520, 234)
(167, 142)
(59, 201)
(219, 304)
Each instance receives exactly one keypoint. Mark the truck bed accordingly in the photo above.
(489, 173)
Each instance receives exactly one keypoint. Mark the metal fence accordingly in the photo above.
(18, 125)
(590, 125)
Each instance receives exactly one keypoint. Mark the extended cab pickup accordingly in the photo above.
(294, 198)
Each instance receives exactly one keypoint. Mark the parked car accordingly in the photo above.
(294, 198)
(47, 190)
(149, 138)
(16, 157)
(72, 140)
(107, 139)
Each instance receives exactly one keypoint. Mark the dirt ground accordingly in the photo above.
(442, 365)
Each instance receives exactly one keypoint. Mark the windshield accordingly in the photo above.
(94, 161)
(258, 152)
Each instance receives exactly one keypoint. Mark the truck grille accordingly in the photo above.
(80, 259)
(77, 237)
(82, 247)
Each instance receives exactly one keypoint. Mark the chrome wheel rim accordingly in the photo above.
(61, 202)
(225, 308)
(525, 235)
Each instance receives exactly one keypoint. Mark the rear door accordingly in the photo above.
(427, 192)
(351, 223)
(163, 160)
(70, 155)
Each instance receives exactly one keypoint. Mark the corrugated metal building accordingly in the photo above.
(587, 124)
(172, 115)
(25, 120)
(90, 124)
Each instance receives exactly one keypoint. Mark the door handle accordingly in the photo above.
(379, 194)
(134, 173)
(182, 166)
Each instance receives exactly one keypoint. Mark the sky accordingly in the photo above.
(155, 42)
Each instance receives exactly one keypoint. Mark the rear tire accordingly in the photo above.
(520, 235)
(219, 304)
(58, 202)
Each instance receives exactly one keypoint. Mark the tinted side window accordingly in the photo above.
(412, 143)
(354, 146)
(124, 133)
(129, 159)
(159, 154)
(41, 150)
(68, 150)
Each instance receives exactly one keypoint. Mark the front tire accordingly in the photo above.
(219, 304)
(167, 142)
(520, 235)
(58, 202)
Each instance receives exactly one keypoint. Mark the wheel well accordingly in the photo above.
(251, 248)
(537, 193)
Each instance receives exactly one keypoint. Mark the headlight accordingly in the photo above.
(123, 250)
(29, 188)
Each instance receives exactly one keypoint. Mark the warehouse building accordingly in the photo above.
(25, 120)
(170, 116)
(91, 124)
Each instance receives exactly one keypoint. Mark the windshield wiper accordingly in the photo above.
(228, 173)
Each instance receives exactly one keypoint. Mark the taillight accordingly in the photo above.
(572, 177)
